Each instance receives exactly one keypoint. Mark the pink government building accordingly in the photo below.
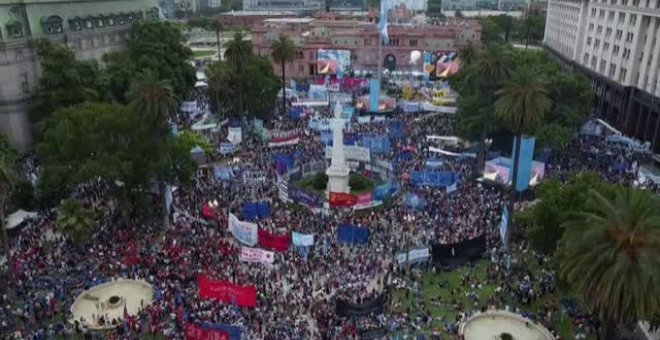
(360, 37)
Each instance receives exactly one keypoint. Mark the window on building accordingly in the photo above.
(597, 43)
(593, 62)
(585, 59)
(619, 34)
(588, 41)
(593, 12)
(121, 20)
(110, 20)
(606, 46)
(608, 32)
(591, 27)
(52, 24)
(624, 2)
(629, 37)
(601, 13)
(612, 70)
(623, 74)
(622, 17)
(626, 53)
(615, 50)
(367, 42)
(25, 84)
(601, 68)
(635, 3)
(633, 19)
(610, 16)
(14, 29)
(413, 42)
(153, 13)
(100, 22)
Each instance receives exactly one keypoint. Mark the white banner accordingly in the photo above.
(235, 135)
(256, 255)
(245, 232)
(414, 255)
(353, 152)
(254, 176)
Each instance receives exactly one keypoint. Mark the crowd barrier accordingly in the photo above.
(374, 307)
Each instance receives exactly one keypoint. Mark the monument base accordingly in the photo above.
(338, 180)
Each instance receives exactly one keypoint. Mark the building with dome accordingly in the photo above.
(90, 28)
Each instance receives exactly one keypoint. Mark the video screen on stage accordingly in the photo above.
(440, 65)
(333, 61)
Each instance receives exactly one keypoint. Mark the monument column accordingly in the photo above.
(338, 171)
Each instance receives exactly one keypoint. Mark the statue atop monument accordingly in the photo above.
(338, 171)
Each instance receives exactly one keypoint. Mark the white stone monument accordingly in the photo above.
(338, 171)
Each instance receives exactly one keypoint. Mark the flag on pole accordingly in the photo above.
(382, 23)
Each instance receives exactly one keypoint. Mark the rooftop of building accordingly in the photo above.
(255, 13)
(289, 20)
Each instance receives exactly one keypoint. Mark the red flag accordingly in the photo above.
(194, 332)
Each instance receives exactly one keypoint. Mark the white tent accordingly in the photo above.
(15, 219)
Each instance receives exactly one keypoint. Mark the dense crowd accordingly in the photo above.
(298, 292)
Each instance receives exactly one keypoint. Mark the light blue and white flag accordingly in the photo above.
(382, 23)
(504, 224)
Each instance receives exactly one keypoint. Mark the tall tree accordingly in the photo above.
(154, 101)
(610, 255)
(91, 141)
(7, 181)
(218, 26)
(74, 221)
(494, 65)
(159, 46)
(238, 52)
(522, 103)
(64, 81)
(283, 52)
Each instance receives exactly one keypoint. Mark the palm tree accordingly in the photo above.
(610, 256)
(238, 51)
(155, 101)
(522, 102)
(468, 54)
(217, 26)
(494, 64)
(74, 220)
(284, 51)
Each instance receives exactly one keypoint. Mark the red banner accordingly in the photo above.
(340, 199)
(227, 292)
(194, 332)
(363, 201)
(274, 242)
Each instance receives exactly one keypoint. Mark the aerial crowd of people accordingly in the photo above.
(298, 292)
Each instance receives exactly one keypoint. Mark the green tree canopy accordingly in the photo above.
(92, 140)
(74, 221)
(64, 81)
(610, 255)
(158, 46)
(557, 202)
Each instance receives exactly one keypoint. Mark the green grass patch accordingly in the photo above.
(203, 53)
(358, 183)
(444, 306)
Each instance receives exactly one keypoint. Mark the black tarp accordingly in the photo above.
(458, 253)
(375, 307)
(372, 334)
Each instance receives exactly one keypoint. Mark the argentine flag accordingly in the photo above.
(382, 23)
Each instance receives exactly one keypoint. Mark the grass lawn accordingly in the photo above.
(414, 304)
(203, 53)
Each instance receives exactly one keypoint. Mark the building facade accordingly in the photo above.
(91, 28)
(361, 39)
(298, 6)
(616, 44)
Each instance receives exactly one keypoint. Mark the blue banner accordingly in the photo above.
(504, 224)
(224, 173)
(525, 164)
(233, 332)
(304, 240)
(433, 178)
(377, 144)
(254, 210)
(384, 191)
(395, 129)
(227, 148)
(283, 160)
(295, 112)
(374, 95)
(433, 163)
(307, 199)
(350, 233)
